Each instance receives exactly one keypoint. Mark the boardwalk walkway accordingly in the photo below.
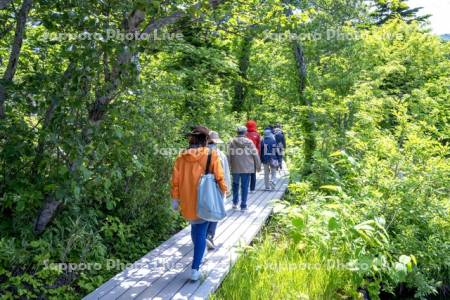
(164, 272)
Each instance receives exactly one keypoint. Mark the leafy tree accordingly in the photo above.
(91, 125)
(386, 10)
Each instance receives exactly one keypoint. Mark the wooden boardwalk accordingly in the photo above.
(164, 272)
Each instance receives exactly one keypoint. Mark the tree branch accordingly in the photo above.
(176, 16)
(4, 3)
(48, 118)
(15, 53)
(131, 25)
(18, 39)
(157, 24)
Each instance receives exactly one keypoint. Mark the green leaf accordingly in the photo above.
(333, 188)
(401, 268)
(333, 224)
(404, 259)
(110, 204)
(76, 192)
(298, 222)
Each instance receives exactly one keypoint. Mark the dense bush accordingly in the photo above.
(388, 161)
(88, 129)
(376, 198)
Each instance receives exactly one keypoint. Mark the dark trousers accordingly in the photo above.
(242, 180)
(280, 161)
(252, 181)
(212, 226)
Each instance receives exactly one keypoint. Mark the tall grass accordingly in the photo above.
(275, 268)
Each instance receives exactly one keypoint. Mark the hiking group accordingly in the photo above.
(202, 204)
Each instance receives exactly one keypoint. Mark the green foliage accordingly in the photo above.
(94, 125)
(377, 198)
(386, 10)
(278, 269)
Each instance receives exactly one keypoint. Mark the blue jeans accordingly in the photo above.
(242, 179)
(211, 232)
(252, 181)
(198, 235)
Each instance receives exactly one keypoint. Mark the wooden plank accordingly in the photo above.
(143, 267)
(222, 267)
(151, 268)
(148, 258)
(154, 254)
(155, 278)
(233, 233)
(179, 278)
(170, 279)
(218, 273)
(149, 275)
(224, 257)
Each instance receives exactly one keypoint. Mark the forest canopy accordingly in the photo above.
(95, 94)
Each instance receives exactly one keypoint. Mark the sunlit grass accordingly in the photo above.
(277, 269)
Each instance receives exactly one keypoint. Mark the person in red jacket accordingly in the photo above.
(253, 135)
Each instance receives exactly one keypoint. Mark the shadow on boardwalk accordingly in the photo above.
(164, 272)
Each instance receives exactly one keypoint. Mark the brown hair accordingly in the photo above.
(198, 140)
(199, 136)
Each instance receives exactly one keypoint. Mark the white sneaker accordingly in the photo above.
(195, 275)
(252, 192)
(235, 206)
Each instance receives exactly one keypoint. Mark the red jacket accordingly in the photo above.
(253, 135)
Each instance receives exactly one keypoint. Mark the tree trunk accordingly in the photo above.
(307, 119)
(2, 100)
(15, 53)
(113, 77)
(240, 86)
(46, 214)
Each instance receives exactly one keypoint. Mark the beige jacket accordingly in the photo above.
(243, 156)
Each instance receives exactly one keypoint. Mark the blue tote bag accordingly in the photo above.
(210, 204)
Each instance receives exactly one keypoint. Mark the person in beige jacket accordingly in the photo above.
(244, 160)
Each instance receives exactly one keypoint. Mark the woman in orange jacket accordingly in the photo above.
(189, 167)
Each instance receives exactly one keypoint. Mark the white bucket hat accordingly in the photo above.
(214, 136)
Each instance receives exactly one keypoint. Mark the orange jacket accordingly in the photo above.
(189, 167)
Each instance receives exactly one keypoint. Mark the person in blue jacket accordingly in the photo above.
(269, 158)
(281, 143)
